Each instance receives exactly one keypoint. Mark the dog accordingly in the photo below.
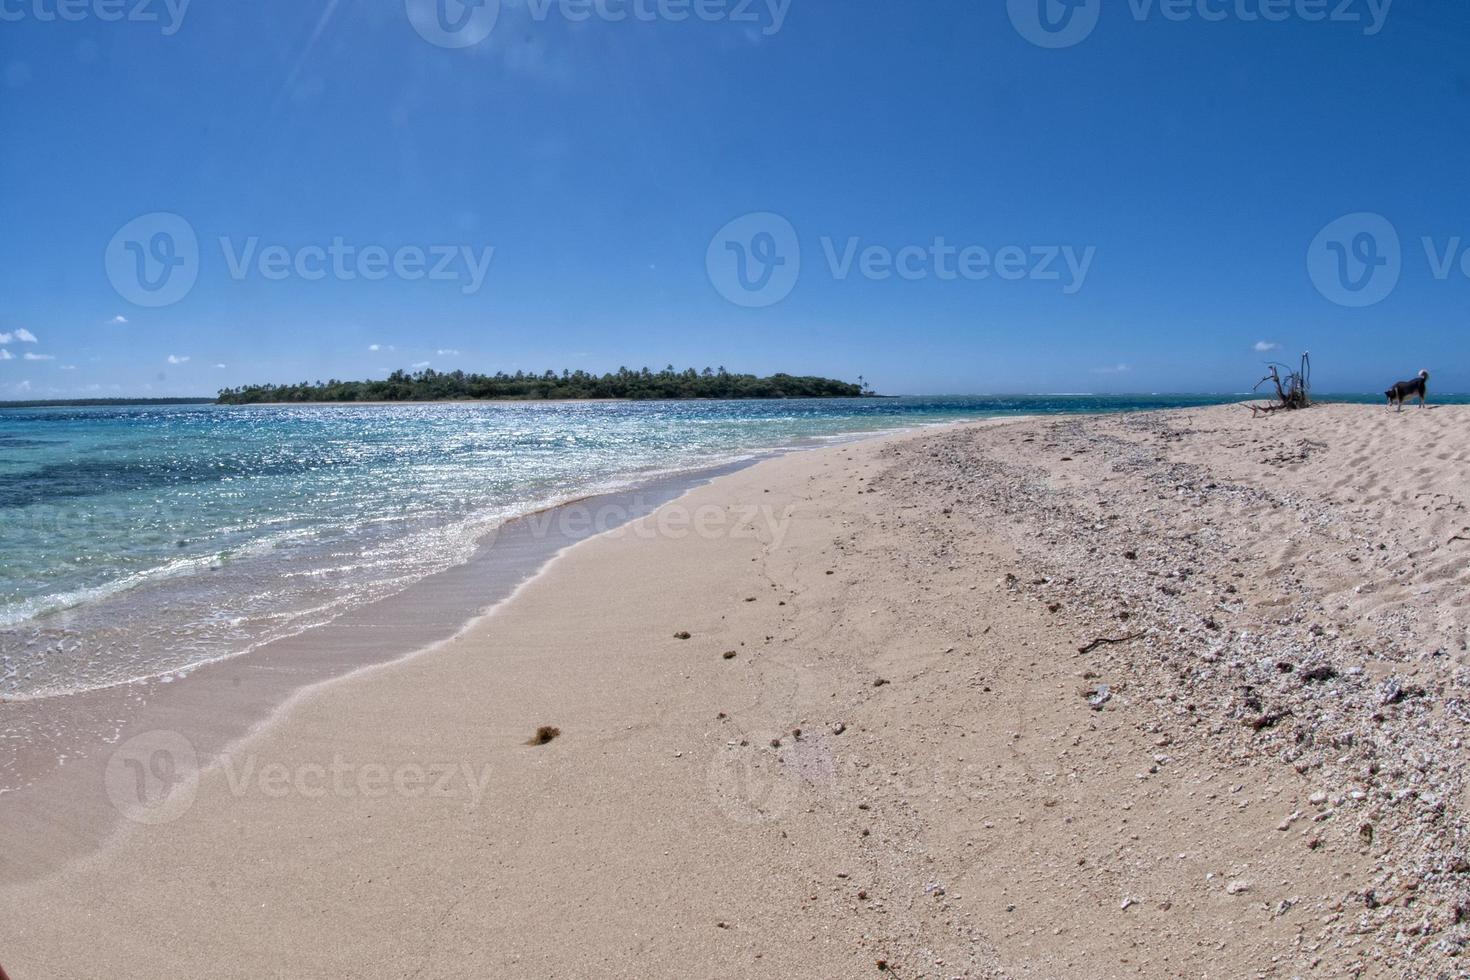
(1405, 390)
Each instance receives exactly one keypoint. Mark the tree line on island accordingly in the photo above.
(642, 385)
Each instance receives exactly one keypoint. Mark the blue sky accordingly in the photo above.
(1135, 211)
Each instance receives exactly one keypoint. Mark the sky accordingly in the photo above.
(945, 197)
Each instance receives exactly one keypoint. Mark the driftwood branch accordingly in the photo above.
(1293, 391)
(1107, 641)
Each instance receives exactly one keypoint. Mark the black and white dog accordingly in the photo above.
(1405, 390)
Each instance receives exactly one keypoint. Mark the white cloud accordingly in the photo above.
(5, 355)
(118, 321)
(1115, 369)
(68, 367)
(38, 357)
(420, 364)
(221, 365)
(1265, 347)
(378, 347)
(21, 335)
(447, 352)
(176, 359)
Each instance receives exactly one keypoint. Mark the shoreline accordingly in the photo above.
(656, 481)
(1006, 698)
(223, 702)
(213, 709)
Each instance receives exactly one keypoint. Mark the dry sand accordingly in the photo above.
(1265, 776)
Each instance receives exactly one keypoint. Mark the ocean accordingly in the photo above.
(138, 543)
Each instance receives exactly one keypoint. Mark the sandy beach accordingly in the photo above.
(1167, 694)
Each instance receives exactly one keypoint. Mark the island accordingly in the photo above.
(642, 385)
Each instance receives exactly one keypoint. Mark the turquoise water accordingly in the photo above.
(138, 542)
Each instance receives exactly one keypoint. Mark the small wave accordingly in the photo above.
(41, 606)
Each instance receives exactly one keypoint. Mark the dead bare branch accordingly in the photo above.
(1293, 391)
(1104, 641)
